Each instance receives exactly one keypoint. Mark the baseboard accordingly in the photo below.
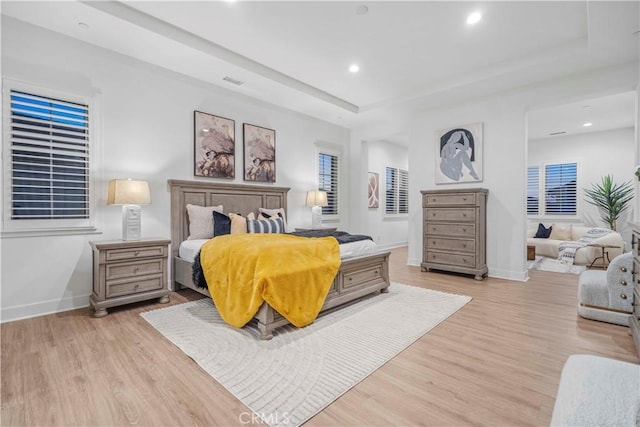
(10, 314)
(518, 276)
(389, 246)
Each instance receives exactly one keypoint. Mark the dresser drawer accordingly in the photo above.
(133, 253)
(462, 245)
(448, 199)
(132, 269)
(450, 258)
(116, 288)
(443, 214)
(457, 230)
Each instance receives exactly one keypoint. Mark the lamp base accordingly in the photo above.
(316, 216)
(131, 222)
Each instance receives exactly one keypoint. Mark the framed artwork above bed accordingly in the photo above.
(259, 153)
(214, 140)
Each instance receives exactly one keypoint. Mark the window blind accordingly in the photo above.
(49, 158)
(397, 191)
(533, 188)
(561, 189)
(328, 181)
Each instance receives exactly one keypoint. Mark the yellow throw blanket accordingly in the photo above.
(292, 274)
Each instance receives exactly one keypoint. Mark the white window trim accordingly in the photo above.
(33, 228)
(542, 204)
(392, 216)
(334, 150)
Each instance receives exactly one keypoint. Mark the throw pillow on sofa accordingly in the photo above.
(543, 232)
(561, 232)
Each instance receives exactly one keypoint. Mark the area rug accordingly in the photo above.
(551, 264)
(290, 378)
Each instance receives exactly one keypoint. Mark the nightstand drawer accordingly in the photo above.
(442, 214)
(118, 288)
(133, 253)
(449, 199)
(132, 269)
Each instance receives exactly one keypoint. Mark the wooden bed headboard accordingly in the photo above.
(238, 198)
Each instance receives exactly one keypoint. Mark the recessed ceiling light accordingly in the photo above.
(474, 18)
(362, 9)
(83, 25)
(587, 124)
(354, 68)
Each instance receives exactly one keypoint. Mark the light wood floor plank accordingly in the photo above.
(495, 362)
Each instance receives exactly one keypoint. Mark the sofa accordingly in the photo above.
(548, 247)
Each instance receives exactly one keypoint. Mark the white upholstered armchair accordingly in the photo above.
(606, 295)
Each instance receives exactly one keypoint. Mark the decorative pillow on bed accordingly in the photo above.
(272, 214)
(221, 224)
(543, 232)
(265, 225)
(201, 221)
(239, 223)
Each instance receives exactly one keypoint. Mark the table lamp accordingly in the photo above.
(316, 199)
(130, 194)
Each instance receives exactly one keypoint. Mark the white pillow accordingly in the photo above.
(272, 214)
(201, 221)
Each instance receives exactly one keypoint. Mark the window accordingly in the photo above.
(47, 155)
(328, 181)
(397, 191)
(533, 187)
(560, 189)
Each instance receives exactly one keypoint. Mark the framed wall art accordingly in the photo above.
(459, 154)
(259, 153)
(372, 192)
(214, 140)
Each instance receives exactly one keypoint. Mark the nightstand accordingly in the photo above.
(128, 271)
(317, 228)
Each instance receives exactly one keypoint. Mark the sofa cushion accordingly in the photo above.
(560, 232)
(543, 232)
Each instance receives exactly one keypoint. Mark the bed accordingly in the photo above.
(357, 276)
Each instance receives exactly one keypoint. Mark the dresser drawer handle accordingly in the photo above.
(464, 214)
(623, 269)
(136, 253)
(464, 198)
(623, 282)
(464, 230)
(464, 245)
(136, 286)
(135, 269)
(623, 296)
(433, 214)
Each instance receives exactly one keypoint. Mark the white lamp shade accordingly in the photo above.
(316, 198)
(128, 192)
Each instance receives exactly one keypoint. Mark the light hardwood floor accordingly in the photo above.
(495, 362)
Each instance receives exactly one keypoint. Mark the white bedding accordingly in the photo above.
(189, 248)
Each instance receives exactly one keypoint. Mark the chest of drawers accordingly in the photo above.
(454, 231)
(634, 319)
(128, 271)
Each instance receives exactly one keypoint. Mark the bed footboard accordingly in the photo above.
(356, 278)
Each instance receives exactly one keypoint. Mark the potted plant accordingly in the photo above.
(611, 199)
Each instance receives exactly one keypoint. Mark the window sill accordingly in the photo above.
(10, 234)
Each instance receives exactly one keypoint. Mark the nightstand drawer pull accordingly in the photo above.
(127, 254)
(623, 282)
(124, 287)
(137, 253)
(623, 269)
(623, 296)
(123, 270)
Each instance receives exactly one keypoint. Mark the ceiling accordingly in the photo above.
(412, 55)
(604, 113)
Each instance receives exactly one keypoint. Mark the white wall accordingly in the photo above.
(145, 131)
(387, 230)
(597, 154)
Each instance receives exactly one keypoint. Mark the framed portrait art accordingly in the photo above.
(459, 154)
(214, 145)
(259, 153)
